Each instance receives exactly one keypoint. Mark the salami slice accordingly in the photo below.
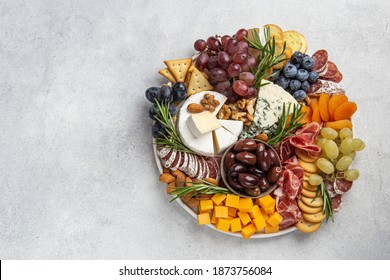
(323, 70)
(337, 78)
(320, 58)
(336, 203)
(342, 186)
(314, 86)
(330, 72)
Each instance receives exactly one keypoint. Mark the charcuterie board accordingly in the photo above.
(253, 135)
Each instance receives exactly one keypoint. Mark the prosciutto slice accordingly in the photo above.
(289, 210)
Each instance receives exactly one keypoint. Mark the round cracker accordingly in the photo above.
(304, 44)
(308, 166)
(312, 202)
(276, 32)
(306, 185)
(308, 193)
(314, 218)
(308, 209)
(293, 39)
(308, 174)
(301, 154)
(306, 226)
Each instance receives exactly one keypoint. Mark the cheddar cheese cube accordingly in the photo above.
(266, 201)
(213, 218)
(218, 198)
(222, 224)
(205, 206)
(275, 219)
(221, 211)
(204, 218)
(270, 210)
(235, 225)
(245, 204)
(232, 212)
(248, 231)
(265, 215)
(271, 229)
(259, 223)
(244, 217)
(255, 212)
(232, 200)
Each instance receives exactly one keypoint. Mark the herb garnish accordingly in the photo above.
(198, 188)
(172, 137)
(327, 208)
(286, 124)
(268, 58)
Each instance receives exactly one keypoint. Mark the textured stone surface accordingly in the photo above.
(77, 173)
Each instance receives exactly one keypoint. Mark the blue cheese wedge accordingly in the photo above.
(268, 109)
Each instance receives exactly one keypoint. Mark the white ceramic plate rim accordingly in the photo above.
(193, 214)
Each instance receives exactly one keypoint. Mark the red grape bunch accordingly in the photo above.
(228, 64)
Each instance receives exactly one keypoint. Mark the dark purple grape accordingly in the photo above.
(158, 130)
(234, 70)
(240, 57)
(165, 94)
(242, 46)
(212, 62)
(201, 61)
(218, 74)
(232, 97)
(240, 88)
(153, 111)
(222, 87)
(200, 45)
(251, 62)
(251, 92)
(223, 59)
(151, 94)
(231, 46)
(213, 43)
(241, 34)
(248, 78)
(179, 91)
(224, 40)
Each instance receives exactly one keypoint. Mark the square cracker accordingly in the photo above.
(179, 68)
(165, 72)
(198, 83)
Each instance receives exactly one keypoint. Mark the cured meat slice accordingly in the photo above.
(285, 150)
(291, 184)
(314, 86)
(330, 187)
(331, 71)
(320, 58)
(293, 165)
(336, 78)
(330, 87)
(289, 210)
(337, 203)
(341, 186)
(176, 162)
(323, 70)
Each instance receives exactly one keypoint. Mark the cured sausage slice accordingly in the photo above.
(331, 71)
(336, 203)
(315, 86)
(320, 58)
(337, 77)
(342, 186)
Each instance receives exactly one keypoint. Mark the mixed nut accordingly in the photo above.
(251, 167)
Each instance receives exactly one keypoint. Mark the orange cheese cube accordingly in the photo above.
(230, 218)
(255, 212)
(248, 231)
(205, 206)
(265, 215)
(270, 210)
(270, 229)
(259, 222)
(266, 201)
(232, 200)
(245, 219)
(204, 218)
(232, 212)
(213, 218)
(221, 211)
(245, 204)
(218, 198)
(235, 225)
(222, 224)
(275, 219)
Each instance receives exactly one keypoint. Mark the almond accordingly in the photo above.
(177, 172)
(262, 137)
(171, 187)
(188, 182)
(193, 202)
(195, 108)
(180, 180)
(211, 181)
(167, 178)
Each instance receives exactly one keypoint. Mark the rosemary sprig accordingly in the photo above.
(172, 138)
(327, 208)
(268, 57)
(198, 188)
(286, 124)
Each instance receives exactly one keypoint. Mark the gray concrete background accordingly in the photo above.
(77, 173)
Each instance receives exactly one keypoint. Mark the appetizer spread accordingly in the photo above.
(254, 134)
